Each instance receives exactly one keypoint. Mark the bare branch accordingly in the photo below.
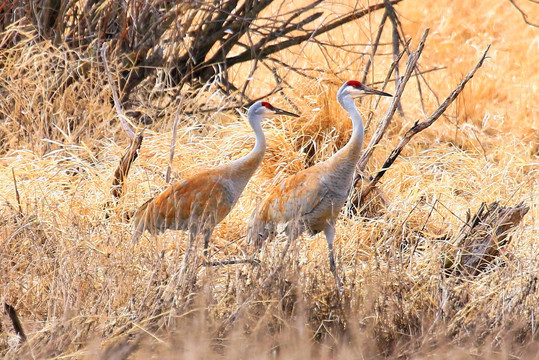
(356, 199)
(420, 126)
(247, 55)
(386, 120)
(17, 326)
(384, 84)
(523, 14)
(125, 164)
(375, 46)
(395, 36)
(17, 196)
(125, 125)
(415, 75)
(173, 141)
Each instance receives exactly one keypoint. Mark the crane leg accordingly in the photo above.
(187, 255)
(207, 237)
(137, 233)
(329, 231)
(135, 238)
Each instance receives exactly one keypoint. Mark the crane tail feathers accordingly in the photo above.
(139, 224)
(258, 232)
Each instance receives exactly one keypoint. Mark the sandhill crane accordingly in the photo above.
(312, 199)
(198, 203)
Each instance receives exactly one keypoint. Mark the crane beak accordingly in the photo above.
(283, 112)
(371, 91)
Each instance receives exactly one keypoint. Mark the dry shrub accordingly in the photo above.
(44, 104)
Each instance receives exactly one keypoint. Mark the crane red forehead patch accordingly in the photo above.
(267, 105)
(354, 83)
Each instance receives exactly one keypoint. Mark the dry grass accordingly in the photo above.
(83, 292)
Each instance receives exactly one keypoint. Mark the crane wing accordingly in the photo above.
(192, 201)
(296, 197)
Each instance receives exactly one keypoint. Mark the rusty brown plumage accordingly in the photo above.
(203, 199)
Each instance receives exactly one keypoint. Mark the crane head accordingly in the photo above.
(265, 109)
(355, 89)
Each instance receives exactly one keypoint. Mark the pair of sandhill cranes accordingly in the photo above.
(307, 201)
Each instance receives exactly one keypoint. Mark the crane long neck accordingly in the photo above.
(353, 148)
(260, 142)
(342, 165)
(246, 166)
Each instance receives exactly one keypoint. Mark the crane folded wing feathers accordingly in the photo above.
(202, 200)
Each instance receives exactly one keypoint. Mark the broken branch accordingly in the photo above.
(173, 142)
(386, 120)
(420, 126)
(17, 196)
(125, 125)
(17, 326)
(483, 236)
(375, 46)
(125, 164)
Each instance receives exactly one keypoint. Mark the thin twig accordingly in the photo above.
(395, 37)
(386, 120)
(384, 84)
(417, 71)
(232, 262)
(17, 196)
(356, 199)
(415, 75)
(247, 55)
(125, 125)
(375, 46)
(278, 80)
(420, 126)
(173, 141)
(523, 14)
(125, 164)
(17, 326)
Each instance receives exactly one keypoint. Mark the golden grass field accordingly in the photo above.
(81, 291)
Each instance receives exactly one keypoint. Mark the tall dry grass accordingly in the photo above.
(83, 292)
